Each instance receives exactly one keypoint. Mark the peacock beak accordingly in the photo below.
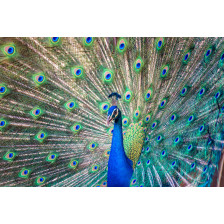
(109, 119)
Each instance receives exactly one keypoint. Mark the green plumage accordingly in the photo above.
(54, 104)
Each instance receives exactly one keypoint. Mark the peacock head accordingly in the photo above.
(113, 113)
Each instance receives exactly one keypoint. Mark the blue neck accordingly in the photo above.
(119, 166)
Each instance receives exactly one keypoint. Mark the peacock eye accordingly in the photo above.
(164, 71)
(201, 128)
(222, 57)
(89, 40)
(138, 65)
(2, 89)
(217, 95)
(189, 147)
(122, 45)
(41, 136)
(208, 52)
(159, 43)
(163, 153)
(55, 39)
(9, 50)
(148, 94)
(39, 79)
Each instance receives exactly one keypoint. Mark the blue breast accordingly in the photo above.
(119, 166)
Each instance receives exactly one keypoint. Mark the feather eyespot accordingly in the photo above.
(76, 128)
(40, 180)
(88, 41)
(125, 121)
(184, 91)
(138, 65)
(147, 118)
(94, 168)
(92, 146)
(128, 96)
(122, 45)
(36, 112)
(154, 124)
(221, 61)
(159, 43)
(159, 138)
(73, 164)
(137, 114)
(107, 153)
(208, 52)
(205, 169)
(9, 50)
(201, 129)
(2, 123)
(164, 71)
(193, 166)
(163, 103)
(190, 147)
(70, 105)
(148, 94)
(218, 94)
(51, 157)
(133, 181)
(186, 58)
(191, 119)
(3, 90)
(163, 153)
(9, 156)
(77, 71)
(201, 92)
(41, 135)
(222, 57)
(104, 107)
(104, 184)
(24, 173)
(39, 79)
(54, 40)
(107, 76)
(177, 140)
(173, 118)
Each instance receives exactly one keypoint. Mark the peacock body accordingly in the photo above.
(54, 106)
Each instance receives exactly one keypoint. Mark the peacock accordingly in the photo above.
(114, 111)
